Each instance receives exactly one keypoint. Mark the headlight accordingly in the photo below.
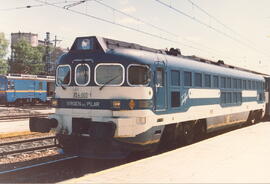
(54, 102)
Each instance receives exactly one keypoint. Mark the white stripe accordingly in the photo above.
(108, 92)
(204, 93)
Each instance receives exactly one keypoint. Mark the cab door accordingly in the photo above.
(160, 87)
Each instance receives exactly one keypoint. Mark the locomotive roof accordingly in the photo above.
(173, 56)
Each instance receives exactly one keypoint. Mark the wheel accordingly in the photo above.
(200, 130)
(188, 133)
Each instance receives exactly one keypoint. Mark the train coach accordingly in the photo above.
(114, 98)
(19, 89)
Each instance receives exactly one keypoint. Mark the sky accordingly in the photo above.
(235, 31)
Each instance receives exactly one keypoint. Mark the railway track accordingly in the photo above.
(28, 145)
(68, 167)
(23, 116)
(42, 164)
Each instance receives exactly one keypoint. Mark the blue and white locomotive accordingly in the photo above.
(18, 89)
(113, 98)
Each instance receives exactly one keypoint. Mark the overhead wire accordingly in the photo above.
(117, 24)
(219, 22)
(124, 26)
(154, 26)
(34, 6)
(208, 26)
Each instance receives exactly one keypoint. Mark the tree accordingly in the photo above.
(3, 53)
(27, 59)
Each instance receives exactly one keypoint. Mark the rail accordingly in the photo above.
(23, 116)
(22, 146)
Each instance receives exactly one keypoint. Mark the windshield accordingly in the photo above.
(138, 75)
(63, 75)
(109, 74)
(82, 72)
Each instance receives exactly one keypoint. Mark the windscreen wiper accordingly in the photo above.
(101, 87)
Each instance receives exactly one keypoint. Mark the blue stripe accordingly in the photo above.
(108, 104)
(101, 104)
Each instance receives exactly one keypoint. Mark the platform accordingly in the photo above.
(239, 156)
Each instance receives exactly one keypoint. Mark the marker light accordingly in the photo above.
(131, 104)
(116, 104)
(54, 102)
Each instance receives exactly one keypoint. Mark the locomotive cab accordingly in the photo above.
(100, 94)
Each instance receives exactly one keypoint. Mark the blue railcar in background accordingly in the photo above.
(18, 89)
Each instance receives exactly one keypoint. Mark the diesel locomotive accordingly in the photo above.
(113, 98)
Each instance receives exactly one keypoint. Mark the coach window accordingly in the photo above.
(207, 80)
(82, 74)
(198, 79)
(223, 97)
(234, 97)
(253, 85)
(216, 82)
(249, 84)
(229, 97)
(244, 84)
(257, 85)
(175, 78)
(223, 82)
(234, 83)
(40, 86)
(63, 75)
(138, 75)
(229, 83)
(187, 78)
(239, 97)
(109, 74)
(239, 83)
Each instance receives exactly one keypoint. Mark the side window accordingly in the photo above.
(257, 85)
(160, 77)
(175, 99)
(40, 87)
(175, 78)
(253, 85)
(249, 84)
(234, 83)
(229, 97)
(229, 82)
(239, 83)
(138, 75)
(234, 99)
(223, 82)
(239, 97)
(244, 84)
(216, 82)
(223, 97)
(207, 80)
(198, 79)
(187, 78)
